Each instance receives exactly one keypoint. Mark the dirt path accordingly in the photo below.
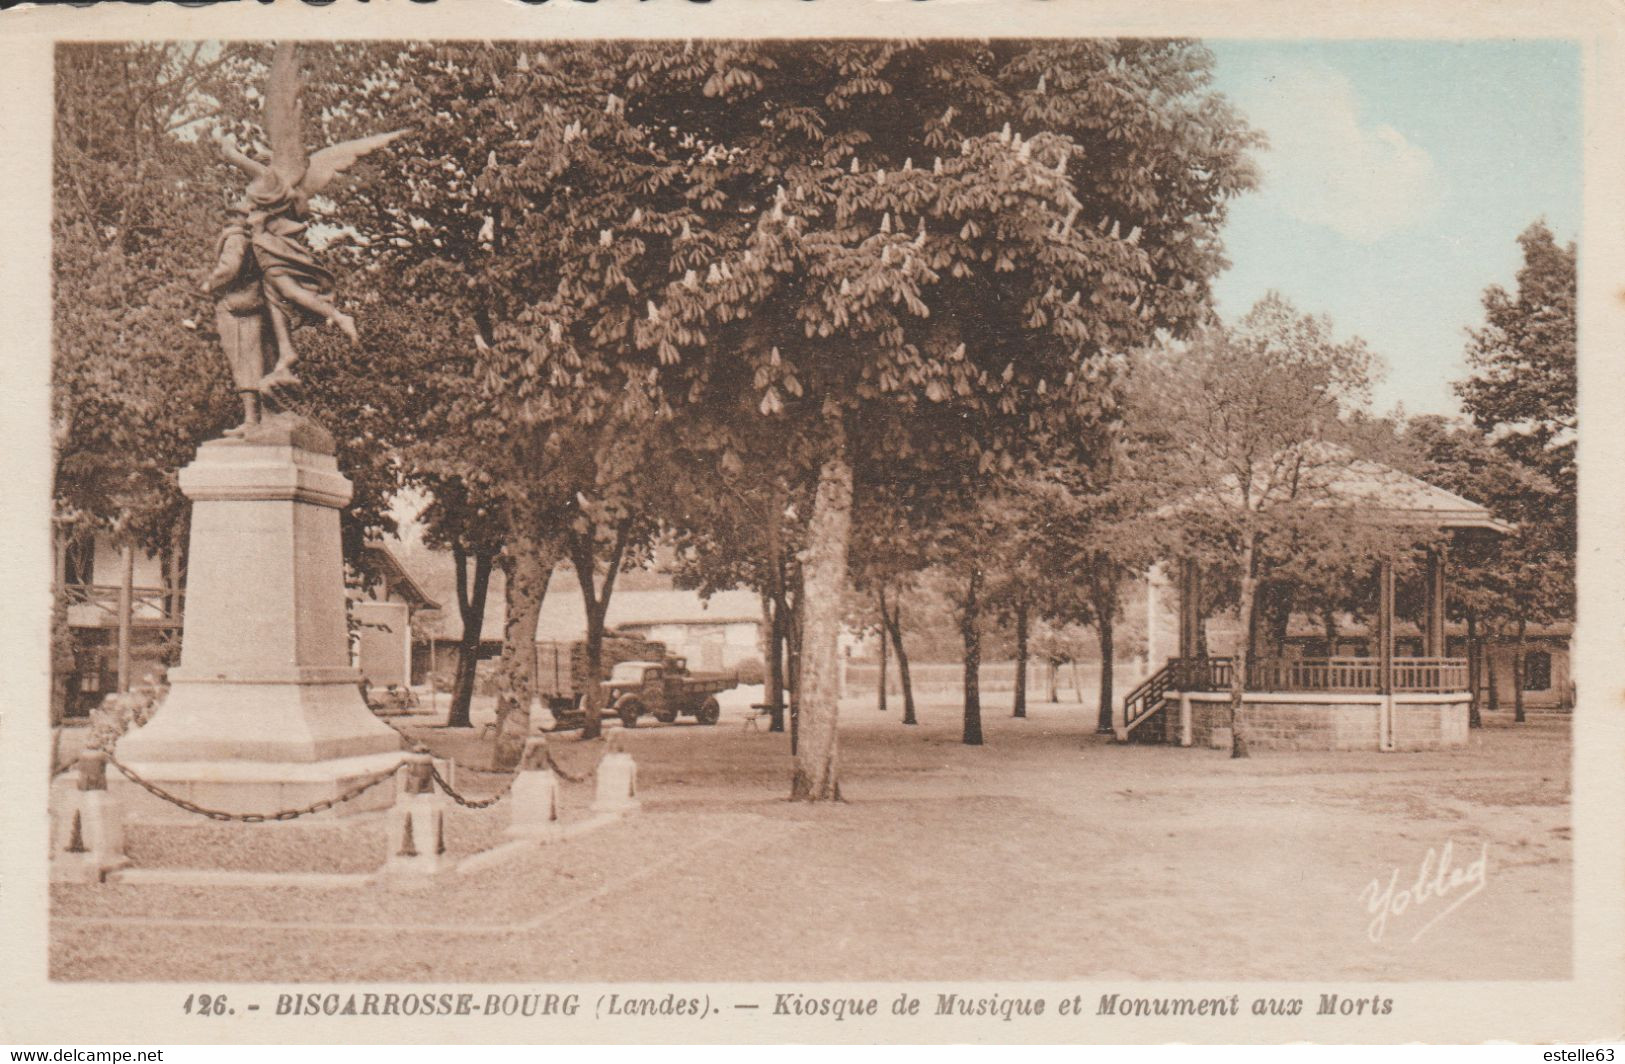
(1046, 854)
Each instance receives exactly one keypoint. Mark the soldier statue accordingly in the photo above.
(265, 281)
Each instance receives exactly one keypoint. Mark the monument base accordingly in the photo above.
(261, 747)
(264, 713)
(259, 787)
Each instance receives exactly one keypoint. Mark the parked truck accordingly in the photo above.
(561, 670)
(643, 680)
(666, 690)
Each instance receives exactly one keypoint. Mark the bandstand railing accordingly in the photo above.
(1415, 675)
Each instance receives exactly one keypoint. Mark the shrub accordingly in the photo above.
(110, 720)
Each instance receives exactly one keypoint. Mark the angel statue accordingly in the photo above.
(263, 276)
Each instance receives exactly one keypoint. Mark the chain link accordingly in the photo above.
(355, 791)
(480, 771)
(567, 776)
(470, 803)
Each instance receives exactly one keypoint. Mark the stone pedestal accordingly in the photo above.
(617, 784)
(535, 806)
(264, 712)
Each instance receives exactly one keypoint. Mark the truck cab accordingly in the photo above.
(634, 678)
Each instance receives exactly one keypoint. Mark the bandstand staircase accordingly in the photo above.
(1149, 698)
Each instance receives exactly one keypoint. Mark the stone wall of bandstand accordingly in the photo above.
(1311, 720)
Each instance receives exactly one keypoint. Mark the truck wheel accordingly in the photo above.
(666, 716)
(629, 710)
(709, 711)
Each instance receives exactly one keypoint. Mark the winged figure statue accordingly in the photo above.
(265, 281)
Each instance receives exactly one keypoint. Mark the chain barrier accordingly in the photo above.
(567, 776)
(405, 738)
(470, 803)
(479, 771)
(413, 742)
(355, 791)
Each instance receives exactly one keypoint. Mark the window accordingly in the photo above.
(1537, 671)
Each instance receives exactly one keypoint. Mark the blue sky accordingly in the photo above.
(1398, 179)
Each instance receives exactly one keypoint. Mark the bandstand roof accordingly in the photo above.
(1371, 491)
(1382, 493)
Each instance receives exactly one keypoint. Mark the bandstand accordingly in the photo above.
(1381, 702)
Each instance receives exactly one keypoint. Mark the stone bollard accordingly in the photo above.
(91, 836)
(535, 795)
(417, 823)
(617, 781)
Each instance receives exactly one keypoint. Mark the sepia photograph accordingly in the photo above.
(1072, 529)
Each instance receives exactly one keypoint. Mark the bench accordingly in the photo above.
(758, 710)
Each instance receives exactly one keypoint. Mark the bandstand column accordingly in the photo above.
(1434, 636)
(1385, 654)
(1385, 627)
(1190, 609)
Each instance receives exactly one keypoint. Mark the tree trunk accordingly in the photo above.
(1238, 674)
(776, 677)
(595, 601)
(592, 684)
(894, 624)
(795, 626)
(126, 616)
(1103, 600)
(773, 695)
(471, 608)
(779, 634)
(1108, 656)
(1281, 619)
(817, 704)
(1518, 672)
(1475, 662)
(1253, 625)
(1489, 667)
(529, 570)
(63, 663)
(175, 571)
(880, 697)
(970, 628)
(1328, 619)
(1053, 676)
(1077, 681)
(1020, 707)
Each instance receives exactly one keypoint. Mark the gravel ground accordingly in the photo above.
(1045, 854)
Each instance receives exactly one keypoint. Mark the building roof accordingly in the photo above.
(382, 563)
(1372, 491)
(564, 618)
(1390, 496)
(640, 599)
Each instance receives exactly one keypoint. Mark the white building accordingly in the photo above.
(722, 632)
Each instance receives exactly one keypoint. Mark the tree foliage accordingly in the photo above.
(1522, 394)
(1254, 438)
